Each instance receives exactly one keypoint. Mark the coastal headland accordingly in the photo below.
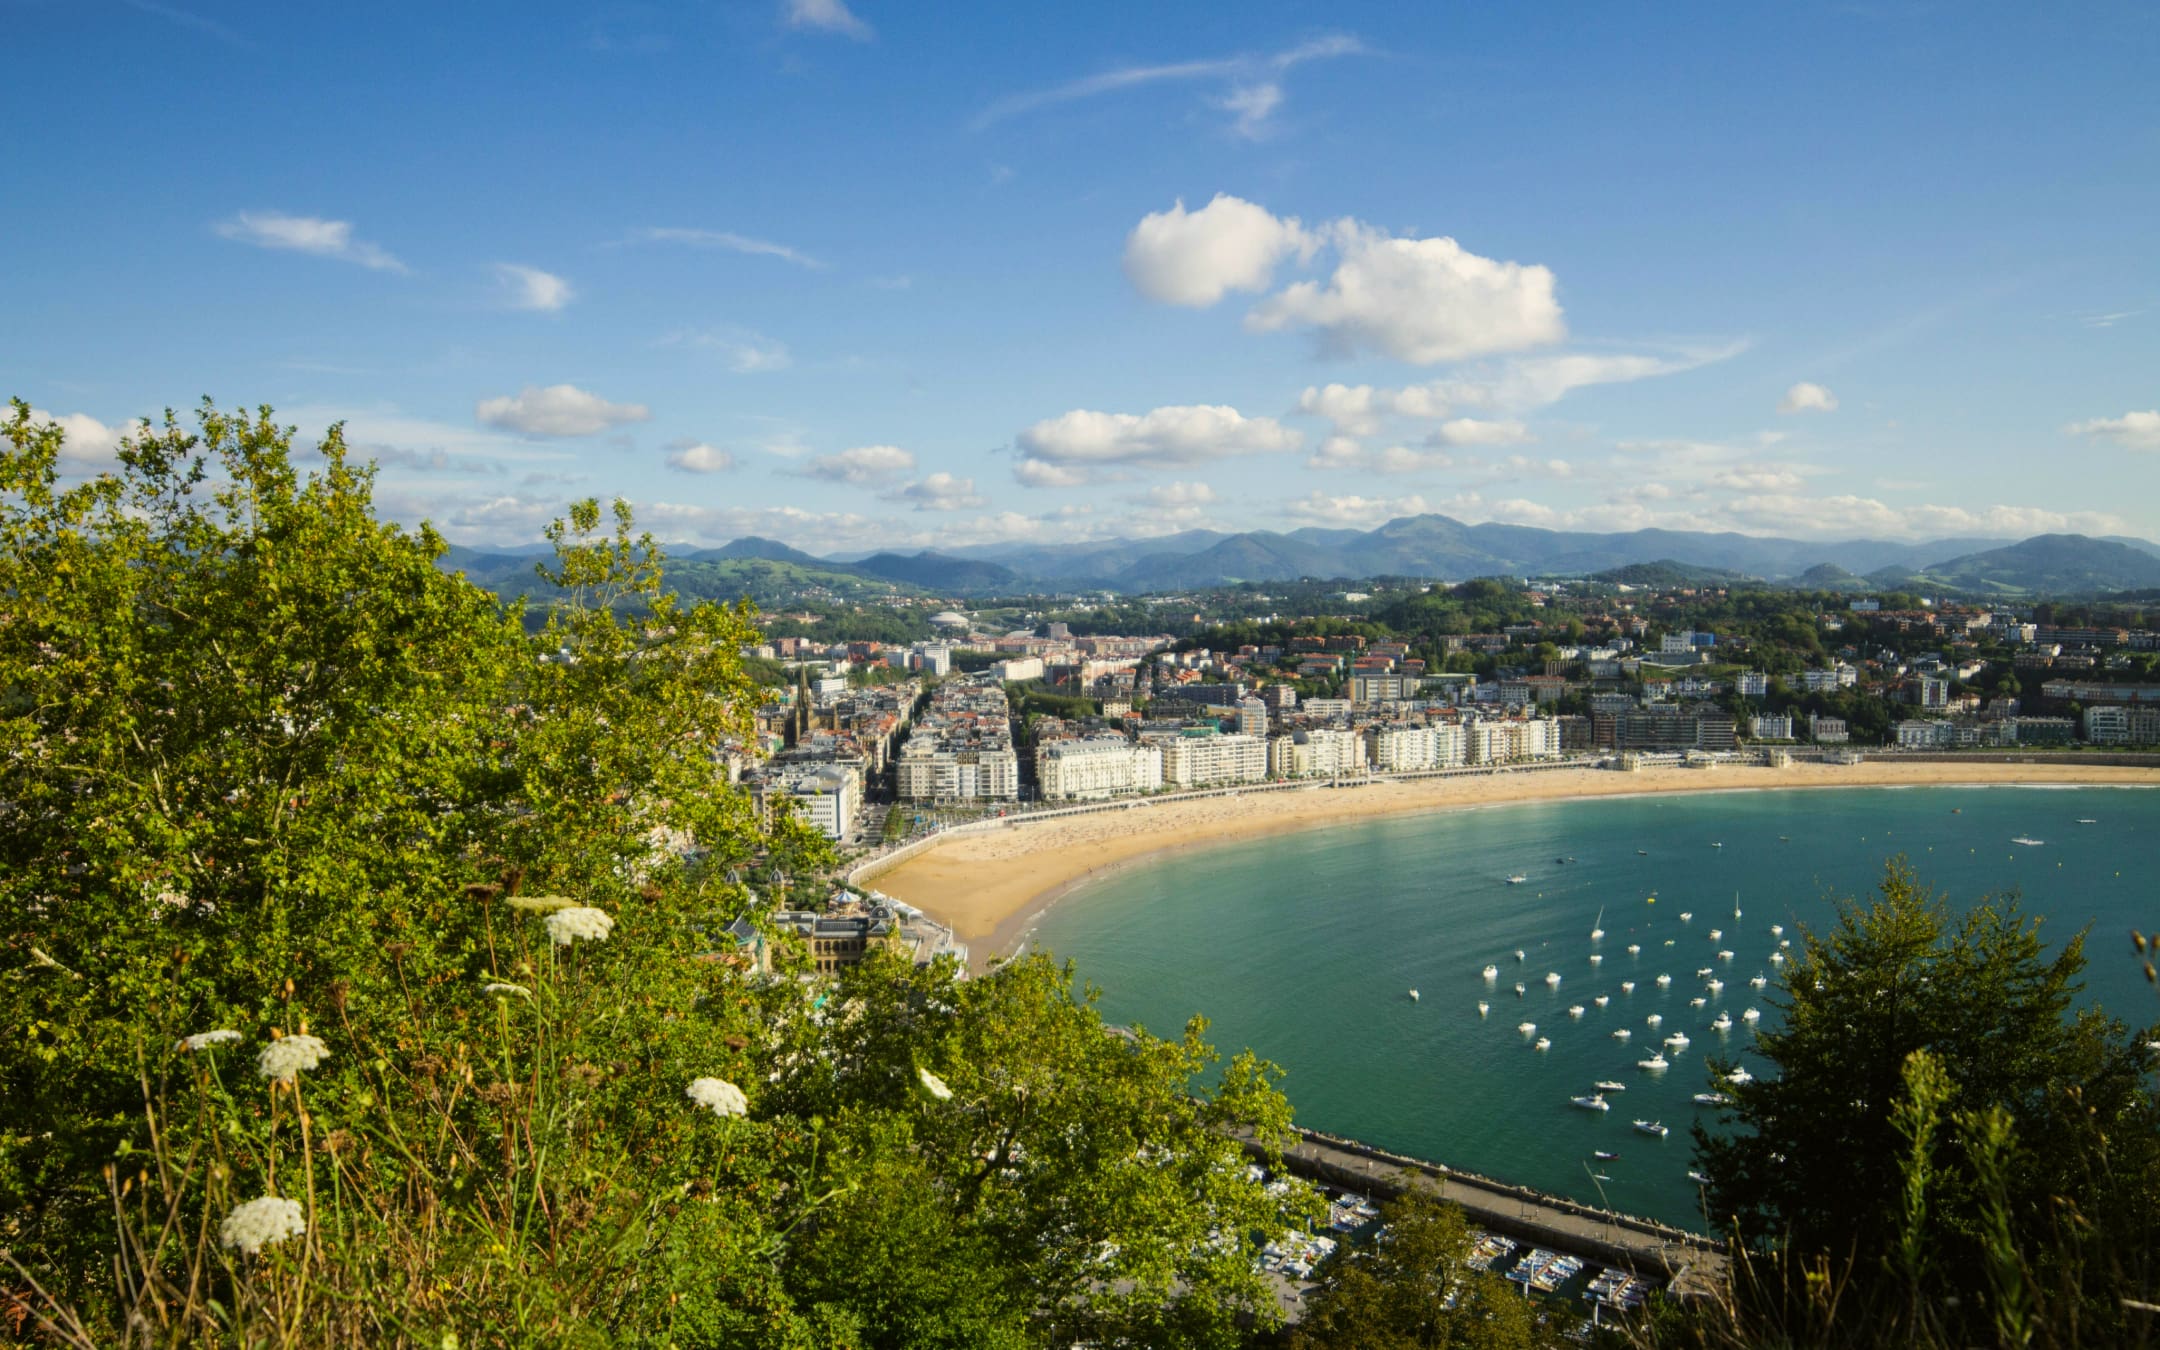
(990, 886)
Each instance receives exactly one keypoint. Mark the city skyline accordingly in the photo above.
(857, 276)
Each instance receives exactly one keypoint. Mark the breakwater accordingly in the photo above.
(1695, 1265)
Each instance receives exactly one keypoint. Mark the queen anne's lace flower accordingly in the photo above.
(718, 1096)
(258, 1223)
(934, 1085)
(283, 1060)
(203, 1040)
(579, 923)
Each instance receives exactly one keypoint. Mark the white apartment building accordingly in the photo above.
(929, 769)
(1770, 727)
(1321, 752)
(1097, 767)
(827, 796)
(2107, 724)
(1831, 679)
(1934, 693)
(1827, 730)
(1408, 749)
(1511, 740)
(1752, 684)
(1198, 761)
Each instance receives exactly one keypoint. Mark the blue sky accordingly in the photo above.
(862, 274)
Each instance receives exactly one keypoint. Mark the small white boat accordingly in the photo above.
(1711, 1099)
(1706, 972)
(1602, 999)
(1752, 1015)
(1657, 1063)
(1517, 879)
(1758, 981)
(1698, 1178)
(1611, 1085)
(1518, 954)
(1717, 934)
(1634, 949)
(1777, 958)
(1777, 930)
(1543, 1043)
(1654, 1020)
(1784, 944)
(1686, 915)
(1664, 981)
(1491, 972)
(2027, 842)
(1552, 977)
(1597, 928)
(2087, 820)
(1716, 986)
(1736, 904)
(1670, 942)
(1740, 1075)
(1652, 1127)
(1723, 1021)
(1678, 1040)
(1413, 996)
(1527, 1028)
(1715, 844)
(1597, 958)
(1724, 956)
(1622, 1034)
(1483, 1007)
(1519, 988)
(1593, 1102)
(1575, 1010)
(1697, 1001)
(1627, 986)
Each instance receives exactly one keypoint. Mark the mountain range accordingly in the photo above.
(1443, 549)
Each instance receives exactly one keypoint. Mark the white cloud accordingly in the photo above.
(862, 464)
(826, 16)
(1174, 495)
(1038, 473)
(724, 239)
(1417, 300)
(530, 288)
(698, 457)
(1353, 408)
(744, 351)
(1241, 73)
(1471, 431)
(1319, 508)
(939, 492)
(2135, 430)
(85, 442)
(558, 410)
(1759, 478)
(307, 234)
(1252, 104)
(1846, 516)
(1082, 440)
(1805, 398)
(1340, 453)
(1180, 257)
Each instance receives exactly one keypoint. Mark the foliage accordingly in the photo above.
(267, 770)
(1414, 1289)
(1944, 1126)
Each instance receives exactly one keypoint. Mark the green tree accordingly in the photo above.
(1414, 1290)
(1822, 1161)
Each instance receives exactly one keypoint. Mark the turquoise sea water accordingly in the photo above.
(1304, 947)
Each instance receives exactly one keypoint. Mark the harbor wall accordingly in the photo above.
(1695, 1264)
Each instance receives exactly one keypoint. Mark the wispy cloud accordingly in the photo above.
(723, 239)
(196, 22)
(530, 288)
(307, 234)
(1253, 96)
(826, 16)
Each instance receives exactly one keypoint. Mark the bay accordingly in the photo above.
(1304, 947)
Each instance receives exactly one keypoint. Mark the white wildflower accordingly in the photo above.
(203, 1040)
(171, 899)
(283, 1060)
(579, 922)
(499, 988)
(718, 1096)
(934, 1085)
(258, 1223)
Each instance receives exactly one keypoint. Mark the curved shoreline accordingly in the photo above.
(990, 888)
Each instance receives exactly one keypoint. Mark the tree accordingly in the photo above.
(1413, 1289)
(1823, 1153)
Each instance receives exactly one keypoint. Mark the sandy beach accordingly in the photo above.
(989, 887)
